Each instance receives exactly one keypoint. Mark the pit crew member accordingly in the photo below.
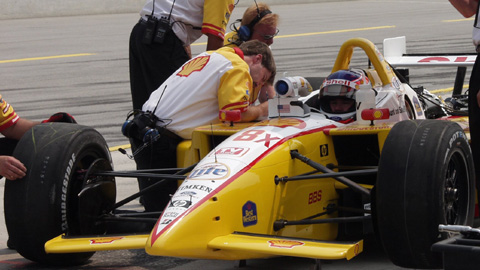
(257, 23)
(160, 41)
(225, 79)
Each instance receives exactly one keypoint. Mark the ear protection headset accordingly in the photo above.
(245, 31)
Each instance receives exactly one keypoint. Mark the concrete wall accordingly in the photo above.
(17, 9)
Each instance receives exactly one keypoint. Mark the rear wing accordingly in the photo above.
(395, 53)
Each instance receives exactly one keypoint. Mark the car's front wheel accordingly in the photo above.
(425, 178)
(46, 202)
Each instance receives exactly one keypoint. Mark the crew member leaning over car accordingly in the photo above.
(225, 79)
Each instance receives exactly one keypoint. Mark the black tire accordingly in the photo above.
(45, 203)
(425, 178)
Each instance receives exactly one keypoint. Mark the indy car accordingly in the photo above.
(296, 184)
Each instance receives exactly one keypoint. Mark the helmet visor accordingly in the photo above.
(338, 90)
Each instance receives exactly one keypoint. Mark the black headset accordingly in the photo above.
(245, 31)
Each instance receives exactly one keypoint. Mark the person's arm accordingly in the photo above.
(214, 42)
(11, 168)
(254, 112)
(216, 14)
(188, 50)
(17, 130)
(267, 92)
(467, 8)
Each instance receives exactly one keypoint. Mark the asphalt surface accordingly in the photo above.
(79, 64)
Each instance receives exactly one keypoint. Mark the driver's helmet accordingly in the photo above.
(340, 88)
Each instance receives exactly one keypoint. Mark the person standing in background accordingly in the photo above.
(258, 23)
(160, 41)
(468, 8)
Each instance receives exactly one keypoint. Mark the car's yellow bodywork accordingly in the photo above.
(228, 205)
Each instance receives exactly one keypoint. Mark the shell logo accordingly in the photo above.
(285, 243)
(196, 64)
(356, 250)
(378, 114)
(283, 123)
(106, 240)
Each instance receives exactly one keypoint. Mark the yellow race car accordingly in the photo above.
(299, 183)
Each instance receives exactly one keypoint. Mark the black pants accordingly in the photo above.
(161, 154)
(7, 146)
(151, 64)
(474, 117)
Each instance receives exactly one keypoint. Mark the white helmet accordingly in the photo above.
(341, 86)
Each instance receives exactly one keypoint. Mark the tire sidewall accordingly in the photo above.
(52, 153)
(411, 186)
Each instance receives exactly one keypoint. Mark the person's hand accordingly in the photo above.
(188, 50)
(11, 168)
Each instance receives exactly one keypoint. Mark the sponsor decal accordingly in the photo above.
(397, 111)
(231, 7)
(323, 150)
(188, 193)
(416, 105)
(315, 196)
(356, 250)
(396, 83)
(285, 243)
(105, 240)
(383, 126)
(196, 64)
(379, 54)
(166, 221)
(456, 135)
(249, 214)
(458, 59)
(284, 123)
(267, 140)
(180, 203)
(339, 81)
(210, 171)
(253, 135)
(196, 187)
(231, 151)
(170, 215)
(63, 204)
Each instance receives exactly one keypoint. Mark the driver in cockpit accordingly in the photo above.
(337, 94)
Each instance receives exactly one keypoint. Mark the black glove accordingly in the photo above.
(61, 117)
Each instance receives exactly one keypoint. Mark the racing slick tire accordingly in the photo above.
(425, 178)
(45, 203)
